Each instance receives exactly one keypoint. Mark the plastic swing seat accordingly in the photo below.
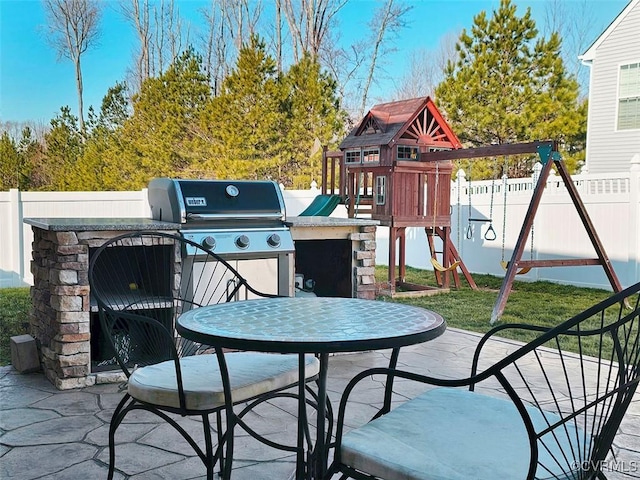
(522, 271)
(439, 267)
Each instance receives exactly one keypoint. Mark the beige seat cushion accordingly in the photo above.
(251, 374)
(454, 434)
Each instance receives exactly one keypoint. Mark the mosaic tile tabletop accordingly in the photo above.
(311, 324)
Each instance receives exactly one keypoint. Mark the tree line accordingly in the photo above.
(244, 106)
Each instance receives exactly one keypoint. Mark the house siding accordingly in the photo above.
(609, 150)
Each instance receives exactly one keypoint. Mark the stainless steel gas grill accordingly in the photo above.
(240, 220)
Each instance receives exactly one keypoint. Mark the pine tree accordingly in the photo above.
(31, 153)
(313, 118)
(242, 125)
(508, 85)
(9, 164)
(102, 165)
(157, 140)
(64, 144)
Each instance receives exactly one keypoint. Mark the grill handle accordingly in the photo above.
(227, 216)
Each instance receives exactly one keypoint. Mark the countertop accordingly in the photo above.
(329, 222)
(97, 224)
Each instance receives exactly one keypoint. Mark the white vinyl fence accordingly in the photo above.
(612, 201)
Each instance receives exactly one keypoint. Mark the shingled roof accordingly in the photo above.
(385, 123)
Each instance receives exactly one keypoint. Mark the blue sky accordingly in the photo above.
(34, 84)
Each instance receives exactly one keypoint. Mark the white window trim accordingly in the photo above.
(617, 99)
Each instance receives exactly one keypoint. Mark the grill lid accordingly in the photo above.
(202, 201)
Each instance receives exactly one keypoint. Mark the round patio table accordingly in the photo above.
(318, 325)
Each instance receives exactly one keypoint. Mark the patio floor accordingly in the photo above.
(51, 434)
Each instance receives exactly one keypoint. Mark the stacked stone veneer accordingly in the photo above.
(61, 316)
(364, 256)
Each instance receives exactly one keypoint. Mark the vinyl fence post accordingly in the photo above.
(634, 219)
(16, 243)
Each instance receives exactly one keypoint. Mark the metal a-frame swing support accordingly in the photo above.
(549, 157)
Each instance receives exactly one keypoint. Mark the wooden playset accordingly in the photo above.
(396, 166)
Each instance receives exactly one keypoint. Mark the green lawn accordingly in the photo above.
(536, 303)
(15, 304)
(540, 303)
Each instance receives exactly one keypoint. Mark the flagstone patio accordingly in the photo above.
(51, 434)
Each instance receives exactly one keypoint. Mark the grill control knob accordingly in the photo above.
(273, 240)
(209, 242)
(242, 241)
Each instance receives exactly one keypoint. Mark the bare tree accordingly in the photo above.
(230, 24)
(426, 69)
(344, 64)
(137, 13)
(161, 34)
(278, 35)
(169, 36)
(309, 22)
(388, 20)
(73, 27)
(575, 22)
(38, 129)
(213, 42)
(242, 17)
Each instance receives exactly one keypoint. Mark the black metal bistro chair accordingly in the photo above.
(141, 282)
(560, 425)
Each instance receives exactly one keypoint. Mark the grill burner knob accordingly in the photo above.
(209, 242)
(242, 241)
(273, 240)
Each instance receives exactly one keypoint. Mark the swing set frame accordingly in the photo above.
(549, 157)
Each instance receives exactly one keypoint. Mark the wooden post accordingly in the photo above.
(402, 251)
(512, 269)
(392, 259)
(325, 159)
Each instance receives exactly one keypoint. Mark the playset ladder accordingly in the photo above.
(450, 256)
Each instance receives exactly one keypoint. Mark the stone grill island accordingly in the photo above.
(337, 254)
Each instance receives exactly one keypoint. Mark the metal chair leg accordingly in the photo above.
(116, 419)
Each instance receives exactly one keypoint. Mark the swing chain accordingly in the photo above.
(504, 263)
(534, 181)
(469, 232)
(458, 206)
(490, 234)
(504, 211)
